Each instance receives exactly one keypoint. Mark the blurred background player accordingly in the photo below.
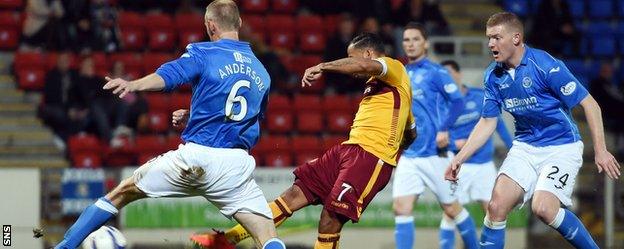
(479, 175)
(539, 91)
(422, 163)
(230, 93)
(349, 175)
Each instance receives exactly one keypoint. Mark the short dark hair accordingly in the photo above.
(508, 19)
(368, 40)
(417, 26)
(225, 13)
(452, 64)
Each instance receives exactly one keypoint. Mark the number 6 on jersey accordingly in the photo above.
(233, 98)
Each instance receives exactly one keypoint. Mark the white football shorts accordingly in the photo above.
(476, 181)
(222, 176)
(549, 168)
(412, 174)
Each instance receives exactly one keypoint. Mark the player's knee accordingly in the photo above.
(453, 209)
(543, 211)
(402, 207)
(496, 211)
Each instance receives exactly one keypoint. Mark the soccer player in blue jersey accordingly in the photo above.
(479, 173)
(230, 92)
(539, 91)
(422, 164)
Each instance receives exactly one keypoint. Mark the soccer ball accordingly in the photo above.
(106, 237)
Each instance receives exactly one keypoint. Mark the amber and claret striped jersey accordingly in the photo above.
(384, 112)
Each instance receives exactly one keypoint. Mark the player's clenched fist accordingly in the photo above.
(452, 171)
(120, 86)
(311, 74)
(179, 117)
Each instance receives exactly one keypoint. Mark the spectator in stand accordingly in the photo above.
(335, 49)
(60, 107)
(421, 11)
(84, 39)
(104, 18)
(371, 25)
(42, 27)
(610, 97)
(107, 112)
(553, 28)
(136, 118)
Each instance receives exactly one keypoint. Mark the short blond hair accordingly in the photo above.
(508, 19)
(225, 14)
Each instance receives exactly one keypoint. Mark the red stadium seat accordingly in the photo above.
(331, 141)
(122, 155)
(283, 23)
(158, 102)
(86, 160)
(133, 62)
(190, 21)
(154, 144)
(128, 19)
(355, 103)
(331, 24)
(160, 32)
(161, 40)
(9, 37)
(10, 19)
(318, 87)
(256, 22)
(278, 102)
(11, 4)
(255, 6)
(158, 121)
(279, 121)
(306, 148)
(284, 6)
(29, 60)
(132, 38)
(310, 23)
(151, 61)
(307, 103)
(180, 101)
(312, 42)
(301, 63)
(82, 143)
(278, 160)
(338, 102)
(31, 79)
(268, 144)
(310, 122)
(282, 40)
(339, 121)
(186, 37)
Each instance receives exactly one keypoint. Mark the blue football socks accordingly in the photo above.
(467, 230)
(493, 234)
(447, 233)
(404, 232)
(274, 243)
(92, 218)
(572, 229)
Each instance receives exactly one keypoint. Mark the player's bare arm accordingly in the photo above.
(603, 158)
(121, 87)
(350, 66)
(479, 135)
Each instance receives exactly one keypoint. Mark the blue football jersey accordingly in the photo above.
(539, 94)
(430, 83)
(473, 104)
(230, 92)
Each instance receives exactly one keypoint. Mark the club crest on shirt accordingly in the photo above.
(471, 105)
(568, 88)
(527, 82)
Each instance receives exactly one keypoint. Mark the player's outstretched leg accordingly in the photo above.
(94, 216)
(262, 230)
(404, 229)
(447, 233)
(505, 196)
(329, 229)
(547, 208)
(465, 224)
(283, 207)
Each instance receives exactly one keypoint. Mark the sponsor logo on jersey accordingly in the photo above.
(568, 88)
(450, 87)
(515, 104)
(241, 58)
